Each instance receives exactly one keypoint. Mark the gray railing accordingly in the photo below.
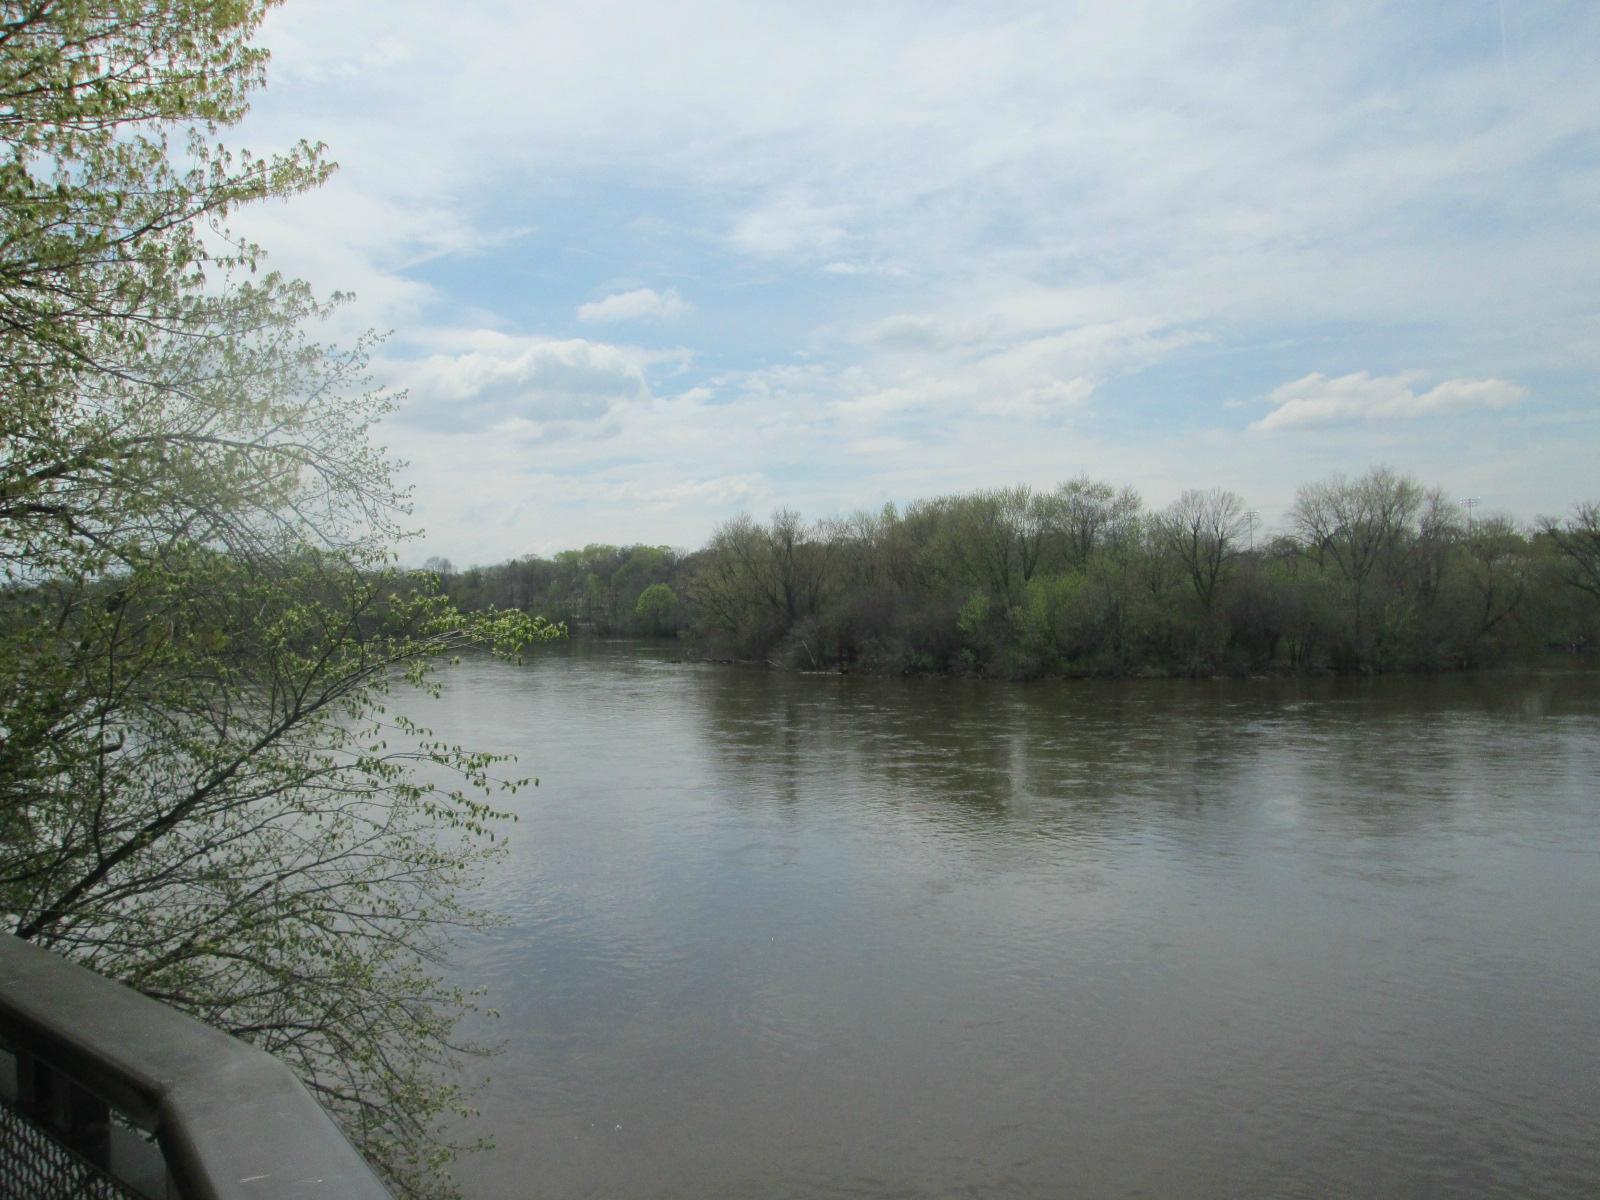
(107, 1093)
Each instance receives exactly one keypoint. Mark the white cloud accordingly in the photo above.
(641, 304)
(1040, 401)
(994, 365)
(1223, 159)
(1319, 400)
(720, 490)
(1012, 385)
(791, 225)
(521, 384)
(928, 334)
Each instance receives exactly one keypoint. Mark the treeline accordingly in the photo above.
(608, 591)
(1374, 574)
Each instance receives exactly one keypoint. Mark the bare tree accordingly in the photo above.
(1494, 575)
(1578, 541)
(1364, 529)
(1202, 529)
(1093, 515)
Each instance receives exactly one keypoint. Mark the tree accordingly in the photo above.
(1491, 581)
(1578, 544)
(1202, 530)
(202, 791)
(105, 241)
(1364, 530)
(995, 540)
(657, 609)
(1095, 516)
(754, 583)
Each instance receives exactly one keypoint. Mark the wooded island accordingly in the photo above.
(1374, 574)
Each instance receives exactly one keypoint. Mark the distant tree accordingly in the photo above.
(995, 540)
(1378, 574)
(1202, 530)
(753, 584)
(797, 562)
(1494, 571)
(1093, 515)
(1577, 540)
(1364, 531)
(657, 610)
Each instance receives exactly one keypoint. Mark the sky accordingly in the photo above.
(645, 266)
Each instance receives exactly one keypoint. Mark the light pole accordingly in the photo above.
(1471, 503)
(1250, 519)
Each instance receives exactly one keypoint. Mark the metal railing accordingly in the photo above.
(109, 1094)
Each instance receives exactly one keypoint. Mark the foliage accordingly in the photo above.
(1377, 573)
(202, 791)
(1577, 543)
(205, 797)
(594, 590)
(106, 239)
(656, 609)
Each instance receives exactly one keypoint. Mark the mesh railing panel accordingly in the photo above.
(34, 1166)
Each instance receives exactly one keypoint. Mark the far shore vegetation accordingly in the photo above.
(1374, 574)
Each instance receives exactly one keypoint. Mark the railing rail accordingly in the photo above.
(231, 1121)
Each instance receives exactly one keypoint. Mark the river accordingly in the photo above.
(772, 935)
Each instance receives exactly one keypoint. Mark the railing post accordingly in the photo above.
(79, 1118)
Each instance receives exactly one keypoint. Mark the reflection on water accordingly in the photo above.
(773, 935)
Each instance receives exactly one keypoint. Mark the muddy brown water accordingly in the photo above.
(772, 935)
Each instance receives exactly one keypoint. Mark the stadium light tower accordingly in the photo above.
(1471, 502)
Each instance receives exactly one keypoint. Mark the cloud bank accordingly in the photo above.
(925, 245)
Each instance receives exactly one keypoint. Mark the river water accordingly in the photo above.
(771, 935)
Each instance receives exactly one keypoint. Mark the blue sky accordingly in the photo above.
(647, 266)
